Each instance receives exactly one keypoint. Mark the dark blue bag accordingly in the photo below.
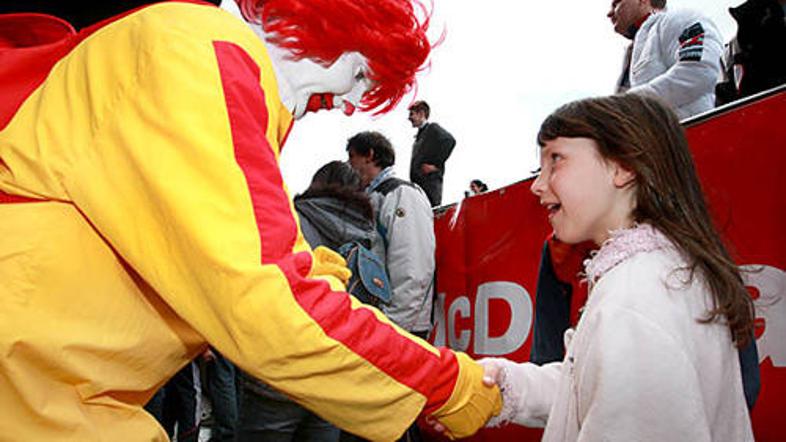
(369, 282)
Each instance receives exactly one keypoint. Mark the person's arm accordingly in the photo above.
(409, 256)
(528, 390)
(180, 175)
(439, 144)
(692, 45)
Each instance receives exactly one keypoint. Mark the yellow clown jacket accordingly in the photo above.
(143, 215)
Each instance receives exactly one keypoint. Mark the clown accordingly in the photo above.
(143, 216)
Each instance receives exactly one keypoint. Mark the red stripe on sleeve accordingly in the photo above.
(9, 198)
(380, 344)
(248, 119)
(286, 136)
(431, 375)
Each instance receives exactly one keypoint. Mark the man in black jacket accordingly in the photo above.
(432, 147)
(754, 60)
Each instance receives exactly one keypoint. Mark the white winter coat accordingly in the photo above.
(639, 366)
(410, 244)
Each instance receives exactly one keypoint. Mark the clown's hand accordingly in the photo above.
(472, 403)
(330, 266)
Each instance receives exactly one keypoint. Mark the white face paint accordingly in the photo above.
(345, 81)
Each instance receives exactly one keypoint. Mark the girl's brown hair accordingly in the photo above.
(337, 179)
(644, 135)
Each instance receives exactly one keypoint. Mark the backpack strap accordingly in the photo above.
(385, 188)
(392, 184)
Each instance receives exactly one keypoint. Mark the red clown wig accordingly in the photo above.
(387, 32)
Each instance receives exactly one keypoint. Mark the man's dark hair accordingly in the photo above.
(365, 142)
(658, 4)
(422, 106)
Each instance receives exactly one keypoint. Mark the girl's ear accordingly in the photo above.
(623, 176)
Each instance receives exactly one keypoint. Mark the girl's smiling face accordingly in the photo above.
(586, 196)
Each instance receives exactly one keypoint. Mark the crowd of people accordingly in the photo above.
(139, 143)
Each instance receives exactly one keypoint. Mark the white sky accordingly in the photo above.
(500, 71)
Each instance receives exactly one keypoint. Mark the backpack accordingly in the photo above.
(369, 282)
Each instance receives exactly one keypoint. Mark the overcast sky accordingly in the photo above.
(500, 71)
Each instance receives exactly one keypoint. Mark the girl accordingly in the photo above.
(653, 357)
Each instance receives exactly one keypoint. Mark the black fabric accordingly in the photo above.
(751, 378)
(432, 186)
(391, 184)
(623, 82)
(755, 59)
(761, 36)
(80, 13)
(433, 145)
(552, 313)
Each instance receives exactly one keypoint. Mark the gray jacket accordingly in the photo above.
(330, 222)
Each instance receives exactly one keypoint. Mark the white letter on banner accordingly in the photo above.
(439, 320)
(770, 305)
(520, 305)
(460, 342)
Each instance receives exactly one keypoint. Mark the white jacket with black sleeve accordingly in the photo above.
(676, 57)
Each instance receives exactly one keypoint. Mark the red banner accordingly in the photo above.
(489, 248)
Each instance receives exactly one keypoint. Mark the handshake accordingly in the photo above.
(475, 400)
(476, 396)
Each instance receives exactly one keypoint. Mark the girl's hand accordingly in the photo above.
(435, 425)
(493, 374)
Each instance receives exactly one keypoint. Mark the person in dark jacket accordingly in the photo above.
(333, 210)
(433, 145)
(754, 60)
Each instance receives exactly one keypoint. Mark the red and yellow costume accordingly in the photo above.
(144, 215)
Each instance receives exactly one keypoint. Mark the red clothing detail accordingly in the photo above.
(568, 263)
(248, 119)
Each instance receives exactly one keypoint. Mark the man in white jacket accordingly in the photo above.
(674, 54)
(406, 224)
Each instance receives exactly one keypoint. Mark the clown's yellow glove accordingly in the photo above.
(471, 404)
(330, 266)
